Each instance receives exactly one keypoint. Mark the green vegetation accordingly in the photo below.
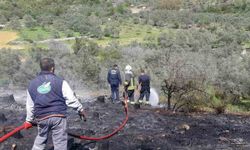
(185, 46)
(39, 34)
(34, 34)
(130, 32)
(243, 105)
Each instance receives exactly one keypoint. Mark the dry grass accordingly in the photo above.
(6, 37)
(170, 4)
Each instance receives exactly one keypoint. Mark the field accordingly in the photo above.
(8, 36)
(133, 33)
(128, 33)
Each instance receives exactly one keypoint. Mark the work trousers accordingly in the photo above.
(115, 92)
(130, 95)
(144, 93)
(58, 126)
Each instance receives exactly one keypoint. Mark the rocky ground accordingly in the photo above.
(147, 129)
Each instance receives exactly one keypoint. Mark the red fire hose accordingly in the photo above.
(6, 136)
(106, 136)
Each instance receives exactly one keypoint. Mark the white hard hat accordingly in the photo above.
(128, 67)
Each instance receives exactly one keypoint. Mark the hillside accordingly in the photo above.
(197, 53)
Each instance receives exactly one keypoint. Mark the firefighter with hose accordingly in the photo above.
(48, 97)
(129, 84)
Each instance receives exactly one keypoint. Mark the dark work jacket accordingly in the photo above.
(46, 92)
(144, 80)
(114, 77)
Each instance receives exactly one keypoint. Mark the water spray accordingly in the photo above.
(154, 97)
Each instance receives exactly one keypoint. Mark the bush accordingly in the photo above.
(111, 30)
(14, 24)
(220, 98)
(86, 59)
(29, 21)
(27, 72)
(10, 62)
(121, 9)
(83, 45)
(185, 83)
(220, 109)
(3, 20)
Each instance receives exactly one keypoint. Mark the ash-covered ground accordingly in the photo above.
(147, 129)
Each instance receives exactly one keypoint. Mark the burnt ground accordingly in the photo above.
(147, 129)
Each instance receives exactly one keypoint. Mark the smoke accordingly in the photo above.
(154, 97)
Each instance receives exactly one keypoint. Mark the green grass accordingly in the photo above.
(244, 104)
(129, 32)
(246, 44)
(133, 32)
(39, 34)
(242, 107)
(34, 34)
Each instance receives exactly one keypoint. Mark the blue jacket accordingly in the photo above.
(114, 77)
(144, 80)
(46, 93)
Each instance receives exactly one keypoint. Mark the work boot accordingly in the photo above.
(132, 102)
(146, 102)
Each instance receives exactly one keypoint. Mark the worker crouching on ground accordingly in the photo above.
(47, 99)
(129, 84)
(114, 79)
(144, 84)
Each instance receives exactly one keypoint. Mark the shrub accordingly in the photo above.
(184, 83)
(111, 30)
(29, 21)
(27, 72)
(10, 62)
(120, 9)
(14, 24)
(220, 98)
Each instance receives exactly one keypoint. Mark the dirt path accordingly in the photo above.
(9, 36)
(6, 37)
(60, 39)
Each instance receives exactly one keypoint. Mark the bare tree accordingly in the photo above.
(184, 82)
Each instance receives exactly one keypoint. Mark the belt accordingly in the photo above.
(49, 116)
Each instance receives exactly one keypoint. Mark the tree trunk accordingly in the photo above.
(169, 101)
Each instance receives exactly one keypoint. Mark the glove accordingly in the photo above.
(27, 125)
(82, 115)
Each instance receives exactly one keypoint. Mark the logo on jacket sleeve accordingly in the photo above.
(44, 88)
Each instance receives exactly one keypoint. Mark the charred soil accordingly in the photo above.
(147, 129)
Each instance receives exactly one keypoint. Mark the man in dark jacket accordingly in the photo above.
(47, 99)
(144, 82)
(114, 79)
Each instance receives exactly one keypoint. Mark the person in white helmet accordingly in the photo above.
(129, 83)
